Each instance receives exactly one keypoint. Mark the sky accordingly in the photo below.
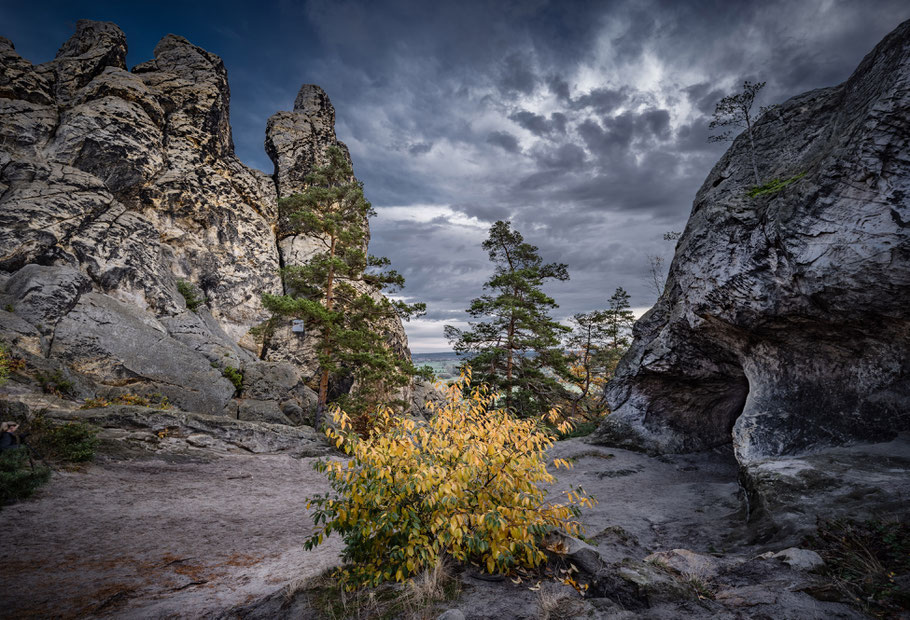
(583, 123)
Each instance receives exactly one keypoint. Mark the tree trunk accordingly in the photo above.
(327, 349)
(752, 150)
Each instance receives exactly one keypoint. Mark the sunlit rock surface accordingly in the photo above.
(114, 185)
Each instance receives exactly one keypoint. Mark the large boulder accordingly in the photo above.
(783, 325)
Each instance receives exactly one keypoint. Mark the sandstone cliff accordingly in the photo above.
(115, 185)
(784, 325)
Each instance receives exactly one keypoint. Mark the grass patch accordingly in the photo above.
(867, 563)
(773, 186)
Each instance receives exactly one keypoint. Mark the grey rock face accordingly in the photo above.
(115, 185)
(116, 343)
(783, 325)
(296, 141)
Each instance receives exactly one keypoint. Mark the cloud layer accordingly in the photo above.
(585, 123)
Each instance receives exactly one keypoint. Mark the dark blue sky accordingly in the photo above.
(583, 122)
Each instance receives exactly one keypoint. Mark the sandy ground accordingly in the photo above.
(152, 538)
(190, 536)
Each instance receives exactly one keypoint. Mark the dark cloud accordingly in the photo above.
(516, 75)
(601, 100)
(504, 140)
(612, 98)
(420, 148)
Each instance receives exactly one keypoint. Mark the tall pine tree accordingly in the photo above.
(337, 292)
(513, 342)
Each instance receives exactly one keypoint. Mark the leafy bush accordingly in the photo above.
(191, 294)
(73, 442)
(234, 376)
(773, 186)
(464, 485)
(18, 480)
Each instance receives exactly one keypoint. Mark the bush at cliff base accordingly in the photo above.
(466, 485)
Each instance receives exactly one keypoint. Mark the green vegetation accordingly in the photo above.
(55, 383)
(73, 442)
(235, 376)
(335, 294)
(581, 429)
(64, 445)
(9, 308)
(865, 563)
(18, 480)
(597, 341)
(773, 186)
(514, 343)
(191, 294)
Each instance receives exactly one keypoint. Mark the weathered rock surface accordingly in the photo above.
(783, 326)
(117, 184)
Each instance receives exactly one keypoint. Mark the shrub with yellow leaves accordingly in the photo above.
(467, 485)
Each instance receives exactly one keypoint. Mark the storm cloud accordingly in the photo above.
(584, 123)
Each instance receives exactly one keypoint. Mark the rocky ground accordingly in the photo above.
(184, 526)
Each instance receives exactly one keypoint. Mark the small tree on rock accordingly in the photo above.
(338, 291)
(736, 111)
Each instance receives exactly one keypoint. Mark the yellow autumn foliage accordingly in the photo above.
(468, 485)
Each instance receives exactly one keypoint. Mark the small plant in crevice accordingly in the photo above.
(773, 186)
(235, 376)
(55, 383)
(191, 294)
(9, 308)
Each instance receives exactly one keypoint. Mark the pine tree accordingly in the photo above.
(619, 321)
(337, 292)
(514, 343)
(736, 111)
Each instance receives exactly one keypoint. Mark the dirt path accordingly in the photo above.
(151, 538)
(190, 536)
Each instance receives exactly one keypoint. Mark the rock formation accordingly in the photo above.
(114, 186)
(784, 323)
